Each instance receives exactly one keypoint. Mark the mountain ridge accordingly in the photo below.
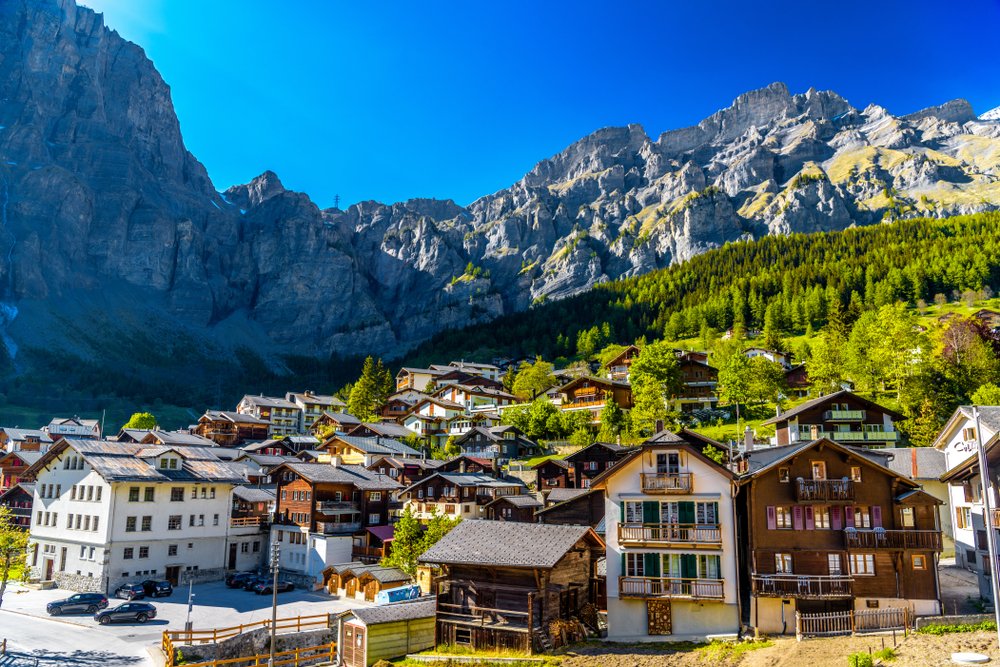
(117, 231)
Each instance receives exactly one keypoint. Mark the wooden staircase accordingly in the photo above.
(543, 638)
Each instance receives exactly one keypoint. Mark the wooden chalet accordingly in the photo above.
(619, 367)
(830, 528)
(797, 380)
(13, 465)
(271, 448)
(384, 632)
(333, 423)
(349, 578)
(503, 583)
(550, 497)
(405, 471)
(15, 439)
(592, 393)
(496, 442)
(513, 508)
(594, 459)
(364, 451)
(253, 506)
(457, 494)
(18, 499)
(843, 417)
(470, 464)
(698, 380)
(582, 509)
(553, 474)
(335, 576)
(990, 318)
(231, 429)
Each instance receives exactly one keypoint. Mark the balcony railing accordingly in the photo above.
(670, 587)
(671, 533)
(653, 482)
(586, 391)
(893, 539)
(802, 586)
(850, 436)
(337, 506)
(844, 415)
(824, 489)
(330, 528)
(882, 435)
(367, 552)
(583, 404)
(248, 522)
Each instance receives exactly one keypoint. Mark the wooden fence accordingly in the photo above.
(188, 637)
(852, 622)
(295, 657)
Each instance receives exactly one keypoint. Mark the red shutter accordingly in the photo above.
(810, 525)
(849, 516)
(835, 518)
(797, 518)
(772, 522)
(877, 516)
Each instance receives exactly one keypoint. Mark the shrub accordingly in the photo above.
(859, 660)
(964, 627)
(888, 653)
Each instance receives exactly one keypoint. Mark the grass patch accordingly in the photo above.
(719, 651)
(483, 657)
(535, 460)
(888, 653)
(939, 630)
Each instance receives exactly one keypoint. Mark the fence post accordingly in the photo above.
(851, 612)
(798, 626)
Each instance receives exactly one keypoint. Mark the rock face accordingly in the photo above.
(113, 228)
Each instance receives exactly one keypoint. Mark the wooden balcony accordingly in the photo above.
(586, 391)
(583, 404)
(654, 482)
(893, 539)
(844, 416)
(802, 586)
(670, 587)
(665, 534)
(882, 436)
(249, 522)
(367, 552)
(828, 490)
(337, 506)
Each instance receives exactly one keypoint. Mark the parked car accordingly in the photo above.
(265, 587)
(251, 582)
(130, 592)
(140, 612)
(155, 589)
(237, 579)
(89, 603)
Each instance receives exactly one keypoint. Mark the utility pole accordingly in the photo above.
(988, 502)
(275, 556)
(187, 623)
(336, 201)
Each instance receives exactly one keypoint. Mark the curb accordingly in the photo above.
(46, 618)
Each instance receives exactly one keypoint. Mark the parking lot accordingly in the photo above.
(215, 606)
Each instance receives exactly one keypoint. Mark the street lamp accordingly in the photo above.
(275, 556)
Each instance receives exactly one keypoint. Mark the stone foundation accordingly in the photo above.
(254, 642)
(80, 583)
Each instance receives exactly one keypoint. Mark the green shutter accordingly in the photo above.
(651, 565)
(622, 508)
(685, 512)
(717, 518)
(689, 566)
(622, 574)
(651, 511)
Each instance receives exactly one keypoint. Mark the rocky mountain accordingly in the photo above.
(119, 247)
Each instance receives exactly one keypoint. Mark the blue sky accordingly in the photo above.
(454, 100)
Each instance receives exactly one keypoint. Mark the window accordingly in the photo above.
(283, 494)
(833, 564)
(784, 517)
(72, 492)
(968, 434)
(69, 522)
(96, 518)
(907, 517)
(862, 517)
(172, 550)
(245, 548)
(97, 498)
(149, 494)
(90, 492)
(256, 547)
(215, 520)
(147, 524)
(163, 464)
(862, 565)
(176, 494)
(856, 473)
(91, 555)
(783, 563)
(420, 493)
(963, 516)
(204, 492)
(201, 519)
(38, 519)
(191, 521)
(86, 523)
(128, 553)
(819, 469)
(783, 475)
(708, 567)
(919, 563)
(375, 495)
(211, 492)
(46, 518)
(373, 518)
(821, 515)
(58, 490)
(634, 565)
(190, 545)
(143, 552)
(430, 491)
(194, 492)
(174, 523)
(705, 513)
(79, 521)
(633, 511)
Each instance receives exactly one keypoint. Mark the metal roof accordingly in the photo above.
(21, 434)
(505, 543)
(917, 462)
(235, 417)
(357, 475)
(253, 494)
(342, 417)
(395, 612)
(388, 575)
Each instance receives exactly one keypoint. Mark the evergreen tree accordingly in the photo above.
(987, 394)
(369, 392)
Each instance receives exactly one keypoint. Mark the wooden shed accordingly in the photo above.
(336, 577)
(375, 581)
(384, 632)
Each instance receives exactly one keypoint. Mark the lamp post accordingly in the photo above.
(187, 623)
(275, 556)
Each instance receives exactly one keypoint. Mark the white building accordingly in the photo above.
(284, 416)
(671, 544)
(107, 513)
(73, 427)
(312, 406)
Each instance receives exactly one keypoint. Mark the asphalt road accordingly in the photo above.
(78, 639)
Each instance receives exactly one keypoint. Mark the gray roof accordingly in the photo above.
(257, 445)
(28, 456)
(175, 438)
(425, 464)
(314, 399)
(520, 501)
(26, 487)
(388, 575)
(340, 568)
(989, 415)
(602, 527)
(390, 429)
(505, 543)
(397, 611)
(357, 475)
(267, 460)
(379, 445)
(614, 447)
(759, 459)
(235, 417)
(467, 479)
(20, 434)
(663, 437)
(253, 494)
(342, 417)
(929, 462)
(562, 495)
(270, 402)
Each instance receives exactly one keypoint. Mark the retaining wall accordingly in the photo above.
(254, 642)
(971, 619)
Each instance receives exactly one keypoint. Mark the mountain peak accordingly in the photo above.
(956, 111)
(257, 191)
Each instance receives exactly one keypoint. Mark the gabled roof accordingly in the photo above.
(762, 460)
(816, 402)
(621, 354)
(22, 434)
(917, 462)
(28, 457)
(341, 418)
(357, 475)
(636, 452)
(253, 494)
(595, 380)
(559, 462)
(26, 487)
(969, 468)
(393, 613)
(610, 446)
(270, 402)
(562, 495)
(266, 460)
(520, 501)
(387, 575)
(989, 417)
(425, 464)
(252, 447)
(476, 479)
(175, 438)
(419, 371)
(132, 434)
(451, 405)
(234, 417)
(388, 533)
(313, 399)
(507, 544)
(380, 445)
(388, 429)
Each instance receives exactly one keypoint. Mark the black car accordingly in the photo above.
(139, 612)
(237, 579)
(248, 585)
(155, 589)
(265, 587)
(130, 592)
(89, 603)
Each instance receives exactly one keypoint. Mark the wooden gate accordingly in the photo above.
(658, 617)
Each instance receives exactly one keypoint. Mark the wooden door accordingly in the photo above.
(347, 645)
(48, 569)
(354, 645)
(352, 586)
(173, 574)
(658, 617)
(232, 556)
(371, 590)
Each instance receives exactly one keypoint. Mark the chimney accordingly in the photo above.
(336, 461)
(659, 425)
(814, 432)
(461, 465)
(496, 468)
(748, 439)
(778, 411)
(545, 497)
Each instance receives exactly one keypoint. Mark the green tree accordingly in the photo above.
(766, 380)
(987, 394)
(430, 386)
(451, 447)
(865, 357)
(924, 429)
(517, 416)
(582, 437)
(716, 455)
(13, 551)
(608, 353)
(655, 377)
(369, 392)
(533, 379)
(410, 542)
(612, 420)
(539, 414)
(141, 420)
(734, 382)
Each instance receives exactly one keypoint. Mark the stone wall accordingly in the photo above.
(201, 576)
(300, 579)
(972, 619)
(254, 642)
(79, 583)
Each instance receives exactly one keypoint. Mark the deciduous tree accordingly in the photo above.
(13, 551)
(141, 420)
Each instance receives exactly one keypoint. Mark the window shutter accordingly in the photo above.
(797, 518)
(835, 518)
(877, 516)
(810, 525)
(651, 565)
(772, 522)
(624, 569)
(686, 511)
(716, 510)
(967, 488)
(621, 506)
(958, 517)
(650, 511)
(849, 516)
(689, 566)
